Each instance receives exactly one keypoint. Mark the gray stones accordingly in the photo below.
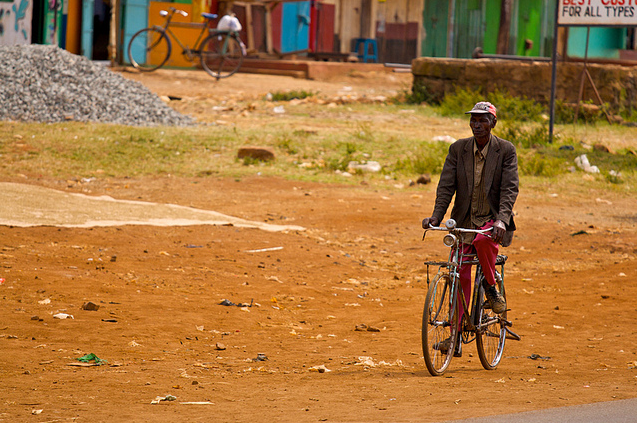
(47, 84)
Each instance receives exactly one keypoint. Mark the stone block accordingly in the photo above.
(263, 154)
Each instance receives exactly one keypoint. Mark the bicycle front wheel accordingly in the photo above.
(439, 325)
(221, 55)
(149, 49)
(490, 330)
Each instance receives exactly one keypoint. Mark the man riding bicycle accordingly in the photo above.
(482, 172)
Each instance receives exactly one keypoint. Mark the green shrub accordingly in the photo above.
(287, 145)
(614, 178)
(364, 132)
(429, 158)
(516, 108)
(537, 163)
(509, 107)
(459, 102)
(587, 112)
(419, 94)
(291, 95)
(340, 158)
(521, 136)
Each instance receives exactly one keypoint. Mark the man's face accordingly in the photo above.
(481, 124)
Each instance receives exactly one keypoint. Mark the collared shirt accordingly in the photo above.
(480, 212)
(480, 209)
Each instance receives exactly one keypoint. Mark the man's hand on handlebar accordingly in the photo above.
(498, 231)
(430, 221)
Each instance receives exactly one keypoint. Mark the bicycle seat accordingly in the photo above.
(210, 16)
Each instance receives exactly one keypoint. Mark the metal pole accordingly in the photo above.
(112, 36)
(584, 71)
(553, 73)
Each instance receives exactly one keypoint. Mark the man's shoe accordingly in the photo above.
(496, 300)
(444, 346)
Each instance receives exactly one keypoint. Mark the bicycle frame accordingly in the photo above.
(205, 29)
(457, 259)
(442, 332)
(220, 51)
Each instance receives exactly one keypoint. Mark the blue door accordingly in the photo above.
(295, 26)
(87, 28)
(134, 18)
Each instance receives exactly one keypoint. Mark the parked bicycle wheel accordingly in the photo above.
(439, 325)
(490, 330)
(221, 55)
(149, 49)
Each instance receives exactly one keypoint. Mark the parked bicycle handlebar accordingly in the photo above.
(173, 11)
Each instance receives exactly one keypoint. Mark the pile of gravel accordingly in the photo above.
(47, 84)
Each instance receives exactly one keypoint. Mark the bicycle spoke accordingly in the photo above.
(439, 327)
(221, 55)
(149, 49)
(491, 332)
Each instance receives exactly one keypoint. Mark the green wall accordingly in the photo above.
(603, 42)
(492, 27)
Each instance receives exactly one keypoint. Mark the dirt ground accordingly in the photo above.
(163, 332)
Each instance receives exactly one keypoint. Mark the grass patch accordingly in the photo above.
(291, 95)
(428, 158)
(311, 143)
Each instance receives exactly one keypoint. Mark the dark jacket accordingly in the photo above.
(501, 182)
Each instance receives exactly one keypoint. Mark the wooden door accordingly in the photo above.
(87, 28)
(134, 18)
(295, 26)
(435, 20)
(470, 27)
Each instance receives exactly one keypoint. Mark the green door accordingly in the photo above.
(535, 20)
(435, 18)
(53, 22)
(492, 27)
(470, 26)
(135, 17)
(529, 28)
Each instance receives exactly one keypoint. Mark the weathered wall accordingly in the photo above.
(15, 22)
(617, 85)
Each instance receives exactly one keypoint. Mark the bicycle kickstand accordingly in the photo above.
(510, 333)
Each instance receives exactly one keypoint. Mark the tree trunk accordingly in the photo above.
(505, 27)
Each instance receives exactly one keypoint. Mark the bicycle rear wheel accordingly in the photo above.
(149, 49)
(439, 323)
(490, 329)
(221, 55)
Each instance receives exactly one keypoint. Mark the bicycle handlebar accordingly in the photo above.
(461, 230)
(173, 11)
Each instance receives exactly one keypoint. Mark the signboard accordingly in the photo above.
(597, 12)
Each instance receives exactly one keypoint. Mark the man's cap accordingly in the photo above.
(483, 107)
